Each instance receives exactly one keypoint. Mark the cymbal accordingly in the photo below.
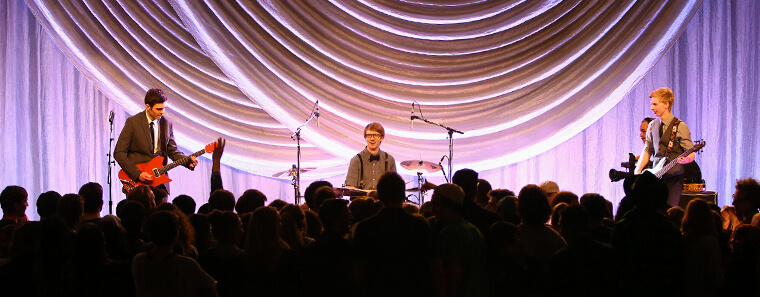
(415, 189)
(292, 171)
(350, 192)
(420, 166)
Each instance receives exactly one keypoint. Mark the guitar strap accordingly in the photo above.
(360, 185)
(672, 137)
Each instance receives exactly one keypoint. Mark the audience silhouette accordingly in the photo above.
(449, 246)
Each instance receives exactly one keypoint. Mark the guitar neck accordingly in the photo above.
(179, 162)
(673, 162)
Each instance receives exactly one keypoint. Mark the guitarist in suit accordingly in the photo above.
(145, 136)
(658, 142)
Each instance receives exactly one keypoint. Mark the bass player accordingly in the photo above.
(666, 137)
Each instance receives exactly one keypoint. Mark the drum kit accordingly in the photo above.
(419, 167)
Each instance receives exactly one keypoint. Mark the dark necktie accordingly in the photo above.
(152, 138)
(662, 129)
(374, 157)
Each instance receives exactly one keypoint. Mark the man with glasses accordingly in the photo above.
(368, 165)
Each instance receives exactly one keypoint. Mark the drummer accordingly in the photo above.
(369, 164)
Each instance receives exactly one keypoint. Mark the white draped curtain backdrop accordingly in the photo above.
(543, 90)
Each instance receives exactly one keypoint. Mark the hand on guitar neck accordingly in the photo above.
(686, 160)
(193, 162)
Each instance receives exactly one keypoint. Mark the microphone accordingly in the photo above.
(110, 116)
(317, 114)
(441, 161)
(411, 119)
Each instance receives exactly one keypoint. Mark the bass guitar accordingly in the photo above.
(661, 167)
(154, 167)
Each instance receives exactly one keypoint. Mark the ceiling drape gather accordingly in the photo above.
(517, 77)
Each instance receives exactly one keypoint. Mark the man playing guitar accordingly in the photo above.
(666, 137)
(146, 135)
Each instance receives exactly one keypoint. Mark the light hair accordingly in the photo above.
(665, 95)
(375, 127)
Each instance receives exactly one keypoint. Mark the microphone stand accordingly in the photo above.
(444, 171)
(110, 163)
(297, 176)
(451, 137)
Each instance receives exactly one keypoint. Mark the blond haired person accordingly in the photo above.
(658, 137)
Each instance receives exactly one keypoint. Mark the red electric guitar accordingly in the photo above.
(159, 173)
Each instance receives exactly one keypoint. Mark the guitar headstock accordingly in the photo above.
(210, 147)
(699, 145)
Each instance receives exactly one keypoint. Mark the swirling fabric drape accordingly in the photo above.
(517, 77)
(55, 133)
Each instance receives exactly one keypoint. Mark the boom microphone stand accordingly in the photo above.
(451, 136)
(297, 137)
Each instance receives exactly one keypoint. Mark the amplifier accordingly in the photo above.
(687, 196)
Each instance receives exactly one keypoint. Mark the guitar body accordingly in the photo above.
(150, 167)
(157, 169)
(657, 167)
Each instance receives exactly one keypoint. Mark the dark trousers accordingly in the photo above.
(675, 186)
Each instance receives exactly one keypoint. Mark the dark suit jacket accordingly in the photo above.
(134, 144)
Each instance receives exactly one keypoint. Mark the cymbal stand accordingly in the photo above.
(451, 137)
(297, 137)
(420, 199)
(295, 180)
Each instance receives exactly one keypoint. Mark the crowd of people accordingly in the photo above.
(469, 240)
